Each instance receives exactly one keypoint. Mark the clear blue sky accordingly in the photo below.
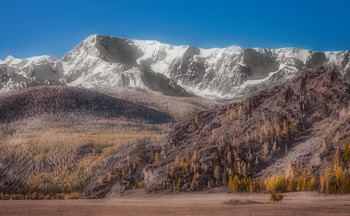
(53, 27)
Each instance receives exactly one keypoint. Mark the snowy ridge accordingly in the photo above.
(116, 64)
(20, 73)
(36, 60)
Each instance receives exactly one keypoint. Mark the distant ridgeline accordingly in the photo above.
(116, 64)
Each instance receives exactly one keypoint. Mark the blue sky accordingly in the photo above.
(33, 27)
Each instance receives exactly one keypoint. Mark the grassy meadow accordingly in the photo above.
(55, 158)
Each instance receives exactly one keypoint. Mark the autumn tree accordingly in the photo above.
(183, 162)
(289, 172)
(229, 158)
(212, 137)
(346, 151)
(266, 131)
(273, 196)
(277, 131)
(292, 127)
(178, 185)
(232, 113)
(235, 184)
(194, 157)
(156, 158)
(193, 184)
(274, 146)
(239, 110)
(177, 161)
(266, 148)
(245, 170)
(337, 157)
(313, 183)
(279, 197)
(337, 136)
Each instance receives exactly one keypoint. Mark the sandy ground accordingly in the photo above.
(201, 203)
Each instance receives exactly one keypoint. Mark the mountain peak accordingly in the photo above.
(116, 63)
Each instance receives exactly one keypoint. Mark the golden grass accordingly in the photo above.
(62, 157)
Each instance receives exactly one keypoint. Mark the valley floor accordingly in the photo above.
(198, 203)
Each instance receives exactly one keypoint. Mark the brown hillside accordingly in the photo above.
(36, 101)
(314, 104)
(302, 123)
(312, 96)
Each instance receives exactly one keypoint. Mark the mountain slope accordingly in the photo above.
(297, 129)
(303, 123)
(314, 102)
(116, 64)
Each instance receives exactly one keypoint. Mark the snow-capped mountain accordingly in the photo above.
(115, 64)
(18, 73)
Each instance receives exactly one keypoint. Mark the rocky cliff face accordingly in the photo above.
(115, 64)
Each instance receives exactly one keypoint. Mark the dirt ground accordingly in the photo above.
(200, 203)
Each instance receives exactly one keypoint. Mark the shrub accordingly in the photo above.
(276, 198)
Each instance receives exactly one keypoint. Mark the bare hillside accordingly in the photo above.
(36, 101)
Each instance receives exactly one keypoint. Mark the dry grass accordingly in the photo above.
(55, 156)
